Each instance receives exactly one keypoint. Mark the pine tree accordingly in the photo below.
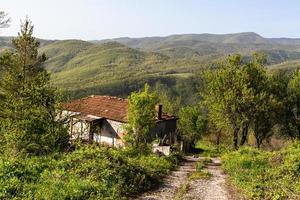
(28, 101)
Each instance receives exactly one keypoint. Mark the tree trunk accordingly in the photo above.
(218, 138)
(244, 133)
(235, 137)
(258, 142)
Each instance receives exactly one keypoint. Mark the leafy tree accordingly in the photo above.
(28, 101)
(285, 87)
(223, 95)
(259, 104)
(192, 124)
(237, 93)
(141, 116)
(282, 109)
(294, 103)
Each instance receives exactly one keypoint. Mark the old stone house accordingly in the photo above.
(101, 119)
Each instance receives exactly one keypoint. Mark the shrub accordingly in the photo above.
(91, 172)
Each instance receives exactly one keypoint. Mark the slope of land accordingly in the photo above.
(120, 66)
(287, 65)
(82, 66)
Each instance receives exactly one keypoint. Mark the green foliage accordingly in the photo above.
(141, 116)
(209, 149)
(28, 101)
(192, 124)
(91, 172)
(265, 175)
(238, 95)
(286, 92)
(224, 93)
(294, 101)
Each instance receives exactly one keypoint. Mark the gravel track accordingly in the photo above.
(214, 188)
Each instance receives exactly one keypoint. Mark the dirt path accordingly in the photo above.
(171, 184)
(213, 188)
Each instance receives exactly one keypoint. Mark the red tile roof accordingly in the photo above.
(101, 106)
(109, 107)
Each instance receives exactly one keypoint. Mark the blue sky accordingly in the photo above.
(100, 19)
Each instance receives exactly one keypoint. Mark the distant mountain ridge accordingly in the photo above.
(198, 45)
(232, 38)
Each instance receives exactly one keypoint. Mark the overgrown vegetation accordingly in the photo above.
(88, 172)
(266, 175)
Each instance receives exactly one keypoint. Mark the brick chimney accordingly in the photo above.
(159, 111)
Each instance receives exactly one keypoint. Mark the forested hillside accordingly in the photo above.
(120, 66)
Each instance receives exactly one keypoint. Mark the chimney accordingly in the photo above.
(159, 111)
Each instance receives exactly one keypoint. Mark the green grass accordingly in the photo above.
(201, 172)
(265, 175)
(182, 190)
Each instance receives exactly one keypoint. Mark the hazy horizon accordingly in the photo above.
(100, 19)
(283, 37)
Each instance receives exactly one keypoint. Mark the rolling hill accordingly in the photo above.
(119, 66)
(111, 68)
(209, 44)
